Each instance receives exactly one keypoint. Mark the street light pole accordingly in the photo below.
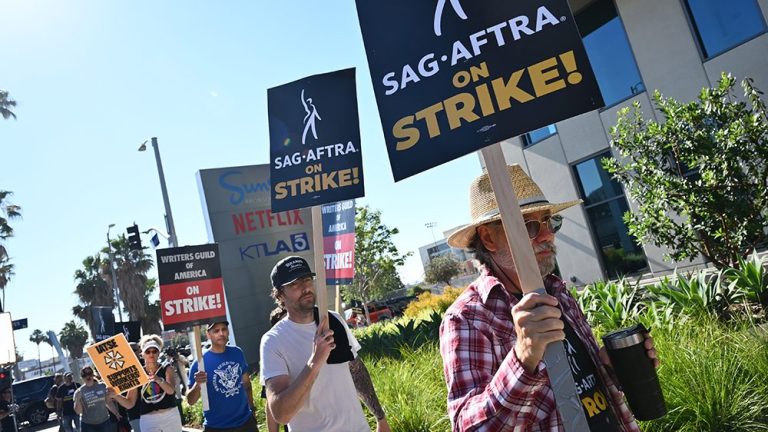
(115, 289)
(168, 215)
(431, 226)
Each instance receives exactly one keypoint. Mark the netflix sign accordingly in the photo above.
(191, 289)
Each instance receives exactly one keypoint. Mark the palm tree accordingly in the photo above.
(150, 321)
(73, 337)
(131, 268)
(38, 337)
(8, 212)
(5, 105)
(92, 290)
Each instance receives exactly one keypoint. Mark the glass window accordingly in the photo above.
(605, 204)
(595, 182)
(721, 25)
(609, 52)
(539, 134)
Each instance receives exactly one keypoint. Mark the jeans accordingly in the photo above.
(67, 420)
(106, 426)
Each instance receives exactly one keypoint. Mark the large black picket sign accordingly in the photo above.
(497, 69)
(314, 141)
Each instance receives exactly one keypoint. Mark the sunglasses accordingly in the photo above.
(553, 223)
(151, 351)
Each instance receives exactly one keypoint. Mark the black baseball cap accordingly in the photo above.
(289, 269)
(210, 326)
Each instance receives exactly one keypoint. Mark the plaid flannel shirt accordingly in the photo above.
(488, 388)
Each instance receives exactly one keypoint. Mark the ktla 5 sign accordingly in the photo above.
(191, 289)
(459, 75)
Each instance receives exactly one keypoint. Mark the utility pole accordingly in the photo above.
(172, 241)
(115, 289)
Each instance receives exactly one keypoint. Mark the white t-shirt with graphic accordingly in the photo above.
(332, 404)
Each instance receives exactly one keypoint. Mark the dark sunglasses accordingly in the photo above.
(151, 351)
(553, 223)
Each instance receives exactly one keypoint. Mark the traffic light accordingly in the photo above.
(134, 238)
(6, 378)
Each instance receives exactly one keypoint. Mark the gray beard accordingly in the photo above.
(546, 264)
(503, 258)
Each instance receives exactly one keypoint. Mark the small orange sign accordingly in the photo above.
(117, 364)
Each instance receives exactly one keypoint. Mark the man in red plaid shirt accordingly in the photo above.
(493, 338)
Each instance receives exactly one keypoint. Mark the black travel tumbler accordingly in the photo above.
(636, 372)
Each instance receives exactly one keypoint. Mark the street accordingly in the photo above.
(50, 426)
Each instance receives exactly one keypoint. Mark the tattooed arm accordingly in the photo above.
(366, 393)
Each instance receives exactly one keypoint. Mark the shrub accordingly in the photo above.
(389, 338)
(750, 278)
(193, 414)
(433, 302)
(612, 304)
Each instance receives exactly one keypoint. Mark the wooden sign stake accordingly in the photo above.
(195, 337)
(568, 402)
(321, 292)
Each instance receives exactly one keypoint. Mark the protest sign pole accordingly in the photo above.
(563, 385)
(338, 300)
(321, 292)
(195, 333)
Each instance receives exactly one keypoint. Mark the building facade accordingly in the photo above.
(440, 248)
(635, 47)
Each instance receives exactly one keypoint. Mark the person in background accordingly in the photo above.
(7, 411)
(134, 413)
(50, 401)
(93, 405)
(157, 398)
(304, 389)
(230, 397)
(66, 406)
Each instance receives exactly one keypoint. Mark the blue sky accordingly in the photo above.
(94, 79)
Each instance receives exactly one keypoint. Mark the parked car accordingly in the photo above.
(378, 311)
(30, 396)
(398, 304)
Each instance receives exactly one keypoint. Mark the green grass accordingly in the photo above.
(714, 376)
(411, 389)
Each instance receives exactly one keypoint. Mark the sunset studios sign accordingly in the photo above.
(454, 76)
(314, 139)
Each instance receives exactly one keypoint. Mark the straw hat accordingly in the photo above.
(483, 207)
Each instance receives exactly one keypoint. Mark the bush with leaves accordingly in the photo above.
(700, 176)
(750, 278)
(442, 269)
(612, 304)
(376, 259)
(427, 301)
(388, 338)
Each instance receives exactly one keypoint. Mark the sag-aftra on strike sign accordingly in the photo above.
(191, 289)
(314, 141)
(453, 76)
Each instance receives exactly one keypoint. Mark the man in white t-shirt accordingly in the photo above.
(304, 390)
